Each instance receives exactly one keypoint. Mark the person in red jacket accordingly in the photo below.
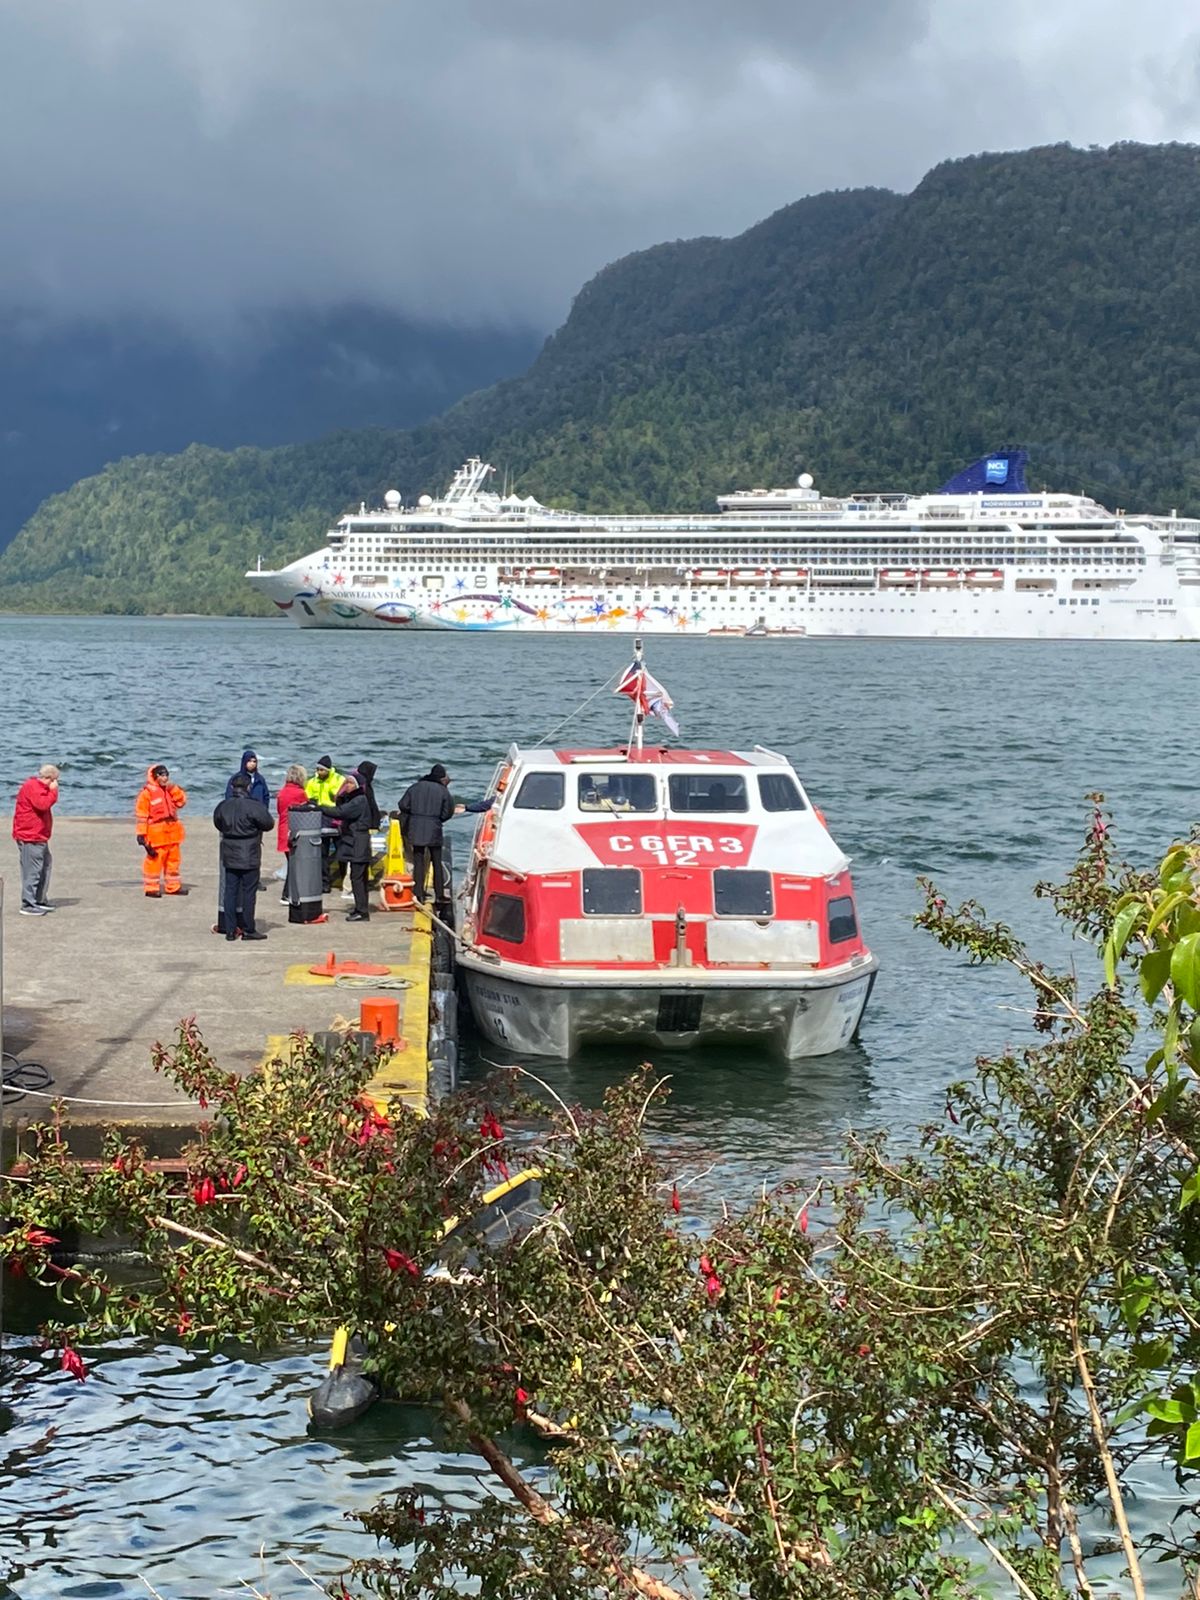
(160, 832)
(31, 828)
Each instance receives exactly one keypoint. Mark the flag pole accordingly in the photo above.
(639, 714)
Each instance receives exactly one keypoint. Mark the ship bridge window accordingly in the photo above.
(617, 791)
(778, 792)
(738, 892)
(541, 791)
(612, 892)
(702, 791)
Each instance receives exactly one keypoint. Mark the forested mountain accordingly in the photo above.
(76, 395)
(1049, 297)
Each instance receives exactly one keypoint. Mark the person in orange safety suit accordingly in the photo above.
(160, 832)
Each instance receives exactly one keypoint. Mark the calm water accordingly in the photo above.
(966, 761)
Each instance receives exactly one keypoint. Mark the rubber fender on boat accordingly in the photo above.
(443, 953)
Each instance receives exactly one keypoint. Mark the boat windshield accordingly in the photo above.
(703, 791)
(617, 791)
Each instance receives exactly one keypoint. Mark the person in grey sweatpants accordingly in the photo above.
(32, 824)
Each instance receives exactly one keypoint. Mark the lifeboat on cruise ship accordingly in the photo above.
(986, 577)
(790, 575)
(660, 897)
(543, 575)
(898, 575)
(940, 575)
(749, 574)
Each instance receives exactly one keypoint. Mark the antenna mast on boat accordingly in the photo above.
(639, 699)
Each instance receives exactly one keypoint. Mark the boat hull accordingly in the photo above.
(555, 1014)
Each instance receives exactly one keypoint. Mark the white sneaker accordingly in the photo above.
(32, 911)
(44, 905)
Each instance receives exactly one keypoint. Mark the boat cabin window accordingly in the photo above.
(612, 892)
(738, 892)
(779, 792)
(505, 918)
(842, 922)
(541, 791)
(701, 791)
(617, 791)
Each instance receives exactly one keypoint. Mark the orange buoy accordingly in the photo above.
(381, 1016)
(396, 894)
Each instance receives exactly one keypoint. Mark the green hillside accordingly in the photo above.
(1049, 298)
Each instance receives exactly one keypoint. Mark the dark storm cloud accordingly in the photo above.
(479, 161)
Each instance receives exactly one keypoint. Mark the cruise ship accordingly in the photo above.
(985, 557)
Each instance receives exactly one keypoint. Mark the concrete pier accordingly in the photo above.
(90, 988)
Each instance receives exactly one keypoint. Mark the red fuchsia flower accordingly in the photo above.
(183, 1326)
(778, 1294)
(202, 1100)
(38, 1239)
(676, 1207)
(712, 1285)
(864, 1349)
(803, 1219)
(520, 1401)
(705, 1267)
(490, 1128)
(72, 1362)
(303, 1138)
(397, 1261)
(204, 1192)
(239, 1176)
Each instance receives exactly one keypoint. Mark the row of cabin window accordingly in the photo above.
(638, 791)
(617, 892)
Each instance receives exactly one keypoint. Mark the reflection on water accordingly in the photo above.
(967, 762)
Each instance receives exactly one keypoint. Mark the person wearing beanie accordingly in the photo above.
(322, 789)
(425, 807)
(241, 822)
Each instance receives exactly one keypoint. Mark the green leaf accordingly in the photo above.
(1170, 1411)
(1122, 927)
(1185, 969)
(1191, 1443)
(1163, 910)
(1170, 1044)
(1171, 864)
(1155, 969)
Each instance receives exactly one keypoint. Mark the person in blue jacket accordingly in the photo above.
(258, 784)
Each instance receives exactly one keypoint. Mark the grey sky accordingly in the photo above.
(479, 161)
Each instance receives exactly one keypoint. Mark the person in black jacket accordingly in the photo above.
(424, 809)
(241, 822)
(365, 773)
(353, 811)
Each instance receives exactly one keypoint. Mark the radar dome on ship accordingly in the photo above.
(392, 499)
(805, 480)
(425, 500)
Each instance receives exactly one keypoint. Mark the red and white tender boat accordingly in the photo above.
(660, 896)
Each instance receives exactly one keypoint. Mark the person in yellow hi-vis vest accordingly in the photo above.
(160, 832)
(322, 789)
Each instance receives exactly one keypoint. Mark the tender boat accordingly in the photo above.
(662, 896)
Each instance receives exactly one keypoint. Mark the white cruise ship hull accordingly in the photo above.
(1145, 611)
